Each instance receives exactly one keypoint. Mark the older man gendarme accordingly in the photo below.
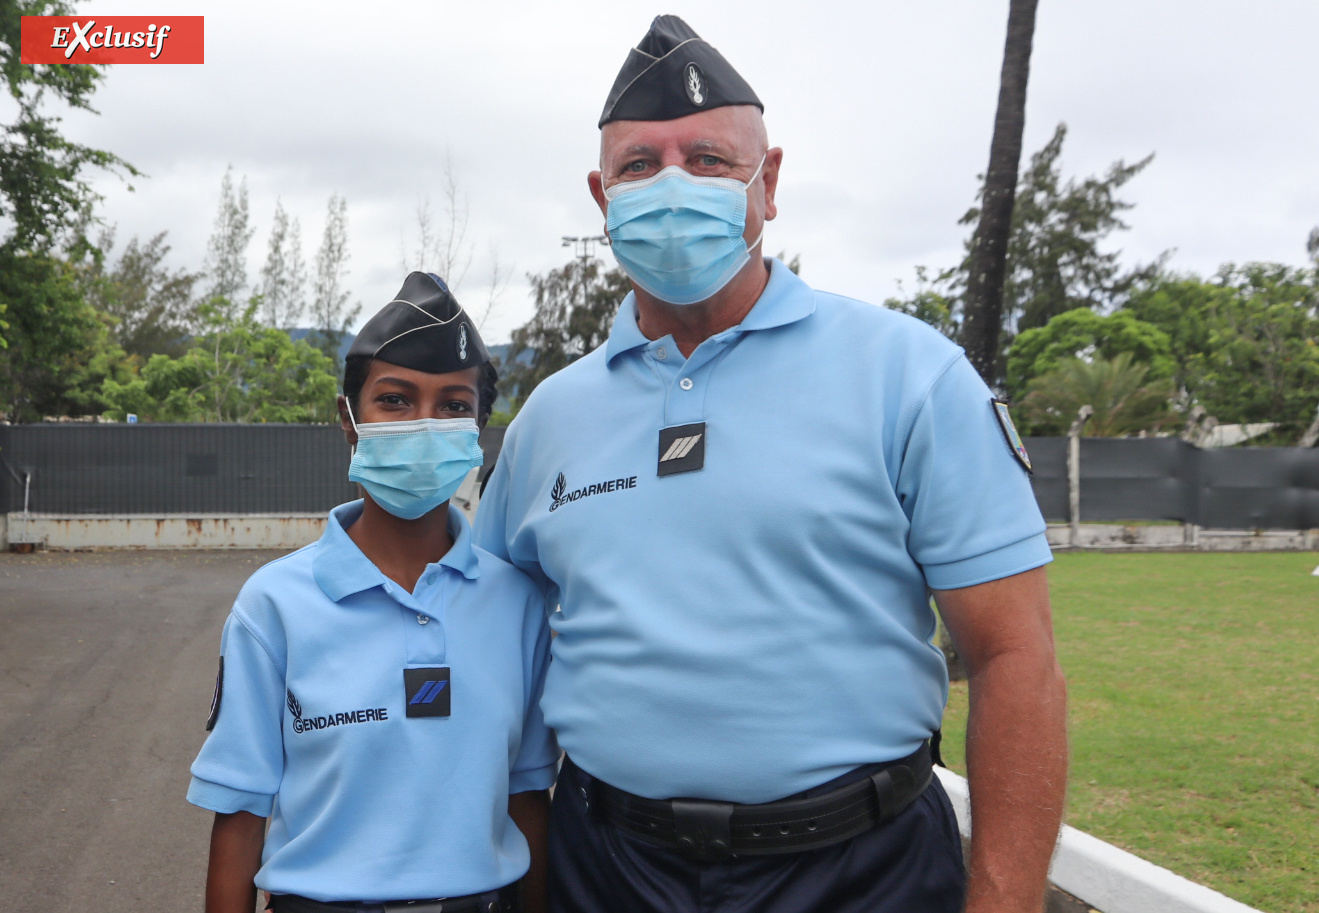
(741, 503)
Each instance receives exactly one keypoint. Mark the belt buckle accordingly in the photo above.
(703, 829)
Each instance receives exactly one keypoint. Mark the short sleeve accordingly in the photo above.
(489, 527)
(241, 764)
(534, 766)
(973, 515)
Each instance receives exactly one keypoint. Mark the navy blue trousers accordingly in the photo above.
(912, 864)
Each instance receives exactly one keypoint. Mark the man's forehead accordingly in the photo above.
(721, 130)
(688, 145)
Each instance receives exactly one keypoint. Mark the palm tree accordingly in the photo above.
(987, 261)
(1123, 402)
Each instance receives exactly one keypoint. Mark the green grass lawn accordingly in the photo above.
(1193, 685)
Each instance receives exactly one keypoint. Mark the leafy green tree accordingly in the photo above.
(1054, 257)
(149, 305)
(49, 338)
(931, 303)
(1055, 260)
(57, 344)
(1082, 332)
(44, 192)
(1180, 306)
(1246, 343)
(238, 371)
(1260, 361)
(1124, 400)
(575, 308)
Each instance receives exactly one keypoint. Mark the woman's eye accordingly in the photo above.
(458, 406)
(393, 399)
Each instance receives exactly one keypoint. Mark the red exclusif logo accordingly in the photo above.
(112, 39)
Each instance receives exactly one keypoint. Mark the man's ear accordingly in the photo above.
(595, 181)
(345, 422)
(770, 179)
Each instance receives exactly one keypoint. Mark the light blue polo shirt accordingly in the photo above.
(366, 803)
(760, 626)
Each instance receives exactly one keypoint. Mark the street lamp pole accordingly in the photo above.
(584, 250)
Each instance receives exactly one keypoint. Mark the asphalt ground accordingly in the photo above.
(107, 663)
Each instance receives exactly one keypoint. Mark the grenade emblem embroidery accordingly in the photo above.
(695, 84)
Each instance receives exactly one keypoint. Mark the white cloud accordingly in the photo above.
(884, 111)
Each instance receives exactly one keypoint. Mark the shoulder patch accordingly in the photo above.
(1010, 434)
(215, 698)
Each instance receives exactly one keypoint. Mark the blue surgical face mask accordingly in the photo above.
(411, 468)
(679, 235)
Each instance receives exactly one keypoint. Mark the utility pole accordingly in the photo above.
(584, 250)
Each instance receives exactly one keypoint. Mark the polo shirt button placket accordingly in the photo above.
(686, 383)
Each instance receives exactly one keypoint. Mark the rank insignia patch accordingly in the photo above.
(1010, 434)
(682, 449)
(427, 691)
(215, 698)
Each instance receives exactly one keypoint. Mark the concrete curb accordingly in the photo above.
(1107, 878)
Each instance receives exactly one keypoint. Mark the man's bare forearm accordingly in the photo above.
(1016, 757)
(1016, 739)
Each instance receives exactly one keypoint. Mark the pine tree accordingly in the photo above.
(284, 276)
(330, 311)
(226, 253)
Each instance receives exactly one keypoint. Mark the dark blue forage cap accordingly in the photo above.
(423, 328)
(671, 73)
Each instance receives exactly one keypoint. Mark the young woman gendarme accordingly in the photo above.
(378, 694)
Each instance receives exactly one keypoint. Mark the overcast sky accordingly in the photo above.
(884, 111)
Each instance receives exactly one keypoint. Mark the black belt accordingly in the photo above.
(505, 900)
(706, 831)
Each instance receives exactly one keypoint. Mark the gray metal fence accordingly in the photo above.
(179, 469)
(1168, 479)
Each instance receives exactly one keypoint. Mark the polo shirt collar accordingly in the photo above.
(462, 555)
(341, 569)
(786, 299)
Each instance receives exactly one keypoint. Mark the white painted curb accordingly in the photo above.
(1107, 878)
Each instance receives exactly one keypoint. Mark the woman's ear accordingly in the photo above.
(346, 421)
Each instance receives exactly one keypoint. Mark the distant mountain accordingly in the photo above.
(345, 339)
(500, 353)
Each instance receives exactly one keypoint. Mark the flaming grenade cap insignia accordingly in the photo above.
(695, 84)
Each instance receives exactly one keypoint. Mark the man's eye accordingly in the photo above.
(634, 167)
(709, 161)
